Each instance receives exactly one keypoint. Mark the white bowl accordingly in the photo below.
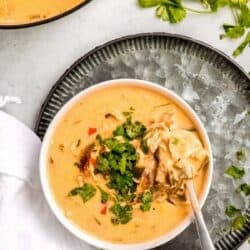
(85, 236)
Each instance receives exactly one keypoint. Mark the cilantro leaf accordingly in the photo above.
(239, 222)
(104, 195)
(244, 188)
(122, 214)
(176, 13)
(103, 163)
(232, 31)
(86, 192)
(130, 130)
(122, 156)
(242, 46)
(244, 18)
(241, 154)
(145, 207)
(149, 3)
(215, 4)
(162, 13)
(123, 183)
(231, 211)
(235, 172)
(125, 197)
(237, 3)
(146, 200)
(172, 11)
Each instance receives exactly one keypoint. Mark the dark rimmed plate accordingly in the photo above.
(46, 20)
(215, 86)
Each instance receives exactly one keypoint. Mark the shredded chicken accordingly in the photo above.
(148, 176)
(170, 150)
(164, 166)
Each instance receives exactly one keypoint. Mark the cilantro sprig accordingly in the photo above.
(117, 163)
(235, 172)
(104, 195)
(238, 220)
(174, 11)
(86, 192)
(231, 211)
(122, 214)
(146, 200)
(244, 188)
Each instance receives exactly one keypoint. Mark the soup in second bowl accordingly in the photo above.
(15, 12)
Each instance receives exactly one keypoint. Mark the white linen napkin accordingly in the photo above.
(26, 223)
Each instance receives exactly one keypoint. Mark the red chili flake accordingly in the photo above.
(91, 131)
(104, 209)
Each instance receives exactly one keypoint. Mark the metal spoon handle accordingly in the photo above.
(205, 240)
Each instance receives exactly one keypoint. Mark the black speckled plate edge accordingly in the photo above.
(231, 240)
(47, 20)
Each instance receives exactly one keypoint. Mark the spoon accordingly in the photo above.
(205, 239)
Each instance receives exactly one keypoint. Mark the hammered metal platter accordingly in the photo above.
(216, 88)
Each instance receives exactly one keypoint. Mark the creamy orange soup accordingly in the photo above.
(26, 11)
(77, 130)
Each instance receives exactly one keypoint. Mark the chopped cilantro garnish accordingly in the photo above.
(121, 157)
(86, 192)
(231, 211)
(175, 141)
(122, 214)
(127, 113)
(144, 146)
(235, 172)
(123, 183)
(99, 138)
(241, 154)
(244, 188)
(125, 197)
(104, 195)
(146, 200)
(239, 222)
(130, 130)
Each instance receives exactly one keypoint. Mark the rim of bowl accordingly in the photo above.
(81, 233)
(46, 20)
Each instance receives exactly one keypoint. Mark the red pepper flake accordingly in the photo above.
(91, 131)
(104, 209)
